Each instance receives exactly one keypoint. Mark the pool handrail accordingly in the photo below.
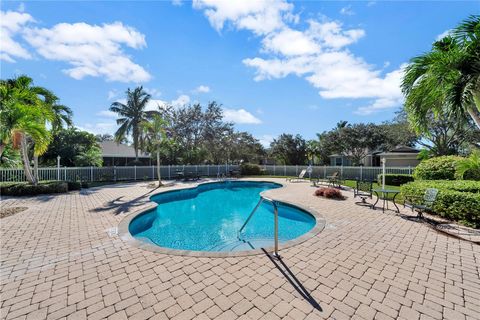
(275, 211)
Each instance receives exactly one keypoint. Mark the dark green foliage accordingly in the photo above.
(395, 179)
(456, 200)
(26, 189)
(248, 169)
(76, 149)
(439, 168)
(74, 185)
(289, 149)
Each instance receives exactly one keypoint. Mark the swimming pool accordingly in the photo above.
(209, 217)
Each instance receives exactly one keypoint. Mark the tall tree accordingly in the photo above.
(132, 114)
(155, 132)
(446, 80)
(289, 149)
(24, 118)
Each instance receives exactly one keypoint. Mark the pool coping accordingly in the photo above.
(124, 233)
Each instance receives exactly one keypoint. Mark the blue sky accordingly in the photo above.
(276, 66)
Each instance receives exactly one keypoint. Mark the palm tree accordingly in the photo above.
(446, 79)
(155, 134)
(24, 116)
(132, 114)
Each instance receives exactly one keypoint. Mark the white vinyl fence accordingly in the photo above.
(170, 172)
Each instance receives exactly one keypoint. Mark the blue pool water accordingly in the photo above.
(208, 218)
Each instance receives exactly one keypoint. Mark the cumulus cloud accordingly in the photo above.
(266, 139)
(107, 114)
(260, 17)
(202, 89)
(91, 50)
(181, 101)
(11, 24)
(100, 127)
(240, 116)
(318, 52)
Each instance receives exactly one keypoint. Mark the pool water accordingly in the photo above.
(208, 218)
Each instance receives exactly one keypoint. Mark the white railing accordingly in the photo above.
(170, 172)
(118, 173)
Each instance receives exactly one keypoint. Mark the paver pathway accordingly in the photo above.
(62, 259)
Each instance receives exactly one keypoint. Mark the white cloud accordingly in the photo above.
(202, 89)
(11, 24)
(317, 53)
(177, 2)
(266, 139)
(107, 114)
(91, 50)
(443, 35)
(181, 101)
(260, 17)
(99, 127)
(155, 105)
(347, 11)
(153, 92)
(240, 116)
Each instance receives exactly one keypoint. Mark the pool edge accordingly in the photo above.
(124, 233)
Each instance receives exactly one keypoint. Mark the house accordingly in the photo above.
(401, 156)
(115, 154)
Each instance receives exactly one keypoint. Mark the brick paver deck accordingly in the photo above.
(62, 259)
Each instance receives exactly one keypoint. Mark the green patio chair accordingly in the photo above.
(421, 203)
(363, 190)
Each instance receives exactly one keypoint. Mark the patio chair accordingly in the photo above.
(329, 180)
(421, 203)
(300, 177)
(363, 190)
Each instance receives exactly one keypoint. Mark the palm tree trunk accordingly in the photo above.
(158, 169)
(35, 167)
(26, 160)
(475, 112)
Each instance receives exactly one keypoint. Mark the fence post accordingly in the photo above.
(208, 170)
(169, 176)
(361, 172)
(409, 170)
(284, 169)
(324, 172)
(153, 172)
(114, 174)
(341, 172)
(274, 169)
(65, 173)
(135, 173)
(296, 170)
(91, 173)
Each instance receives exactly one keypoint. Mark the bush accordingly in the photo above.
(395, 179)
(456, 200)
(26, 189)
(329, 193)
(248, 169)
(438, 168)
(74, 185)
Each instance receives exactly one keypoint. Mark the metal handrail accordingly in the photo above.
(275, 211)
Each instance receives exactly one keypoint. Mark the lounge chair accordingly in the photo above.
(332, 180)
(421, 203)
(300, 177)
(363, 190)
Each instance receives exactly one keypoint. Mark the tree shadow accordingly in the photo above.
(296, 284)
(119, 206)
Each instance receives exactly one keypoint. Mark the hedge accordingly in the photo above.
(248, 169)
(456, 200)
(438, 168)
(395, 179)
(26, 189)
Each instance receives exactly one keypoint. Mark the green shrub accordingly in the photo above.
(438, 168)
(26, 189)
(395, 179)
(248, 169)
(456, 200)
(74, 185)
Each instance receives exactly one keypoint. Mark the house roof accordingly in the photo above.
(113, 149)
(398, 150)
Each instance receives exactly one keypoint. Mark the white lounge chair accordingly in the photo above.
(300, 177)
